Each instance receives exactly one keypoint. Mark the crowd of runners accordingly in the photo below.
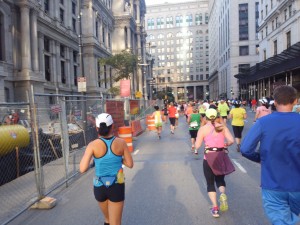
(273, 140)
(208, 122)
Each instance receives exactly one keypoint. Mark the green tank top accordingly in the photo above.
(194, 121)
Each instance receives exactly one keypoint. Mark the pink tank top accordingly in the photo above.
(262, 111)
(214, 139)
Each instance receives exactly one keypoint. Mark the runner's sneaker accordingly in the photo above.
(196, 152)
(215, 212)
(193, 148)
(223, 202)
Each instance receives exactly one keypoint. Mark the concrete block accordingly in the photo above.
(45, 203)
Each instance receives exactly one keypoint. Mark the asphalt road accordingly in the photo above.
(165, 187)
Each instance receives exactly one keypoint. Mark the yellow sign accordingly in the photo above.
(138, 94)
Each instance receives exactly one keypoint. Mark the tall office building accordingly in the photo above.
(279, 49)
(40, 44)
(178, 37)
(233, 42)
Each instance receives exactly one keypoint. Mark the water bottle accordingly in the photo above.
(120, 176)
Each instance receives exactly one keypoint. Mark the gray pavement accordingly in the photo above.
(166, 186)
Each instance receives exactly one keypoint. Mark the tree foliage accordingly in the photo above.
(123, 64)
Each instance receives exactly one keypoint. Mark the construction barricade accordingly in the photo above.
(136, 128)
(150, 121)
(126, 134)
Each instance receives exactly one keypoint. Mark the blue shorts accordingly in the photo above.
(282, 208)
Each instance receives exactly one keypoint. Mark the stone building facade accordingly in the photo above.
(279, 49)
(178, 36)
(40, 44)
(233, 27)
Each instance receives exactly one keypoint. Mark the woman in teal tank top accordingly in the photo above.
(109, 153)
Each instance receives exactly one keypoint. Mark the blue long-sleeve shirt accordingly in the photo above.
(279, 137)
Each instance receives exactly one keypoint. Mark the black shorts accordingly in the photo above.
(172, 121)
(224, 117)
(237, 130)
(193, 133)
(114, 193)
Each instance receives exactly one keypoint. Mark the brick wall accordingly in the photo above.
(116, 110)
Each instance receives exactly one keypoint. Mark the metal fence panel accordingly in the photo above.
(17, 179)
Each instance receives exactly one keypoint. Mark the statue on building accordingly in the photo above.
(127, 6)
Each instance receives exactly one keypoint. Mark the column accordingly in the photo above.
(129, 36)
(137, 3)
(41, 54)
(25, 36)
(34, 41)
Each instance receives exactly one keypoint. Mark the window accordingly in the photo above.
(105, 77)
(75, 56)
(275, 47)
(197, 19)
(62, 51)
(46, 44)
(290, 10)
(266, 31)
(189, 20)
(244, 50)
(47, 68)
(243, 22)
(62, 2)
(46, 6)
(288, 39)
(103, 35)
(265, 54)
(206, 18)
(271, 4)
(169, 22)
(62, 72)
(73, 8)
(266, 10)
(1, 37)
(285, 15)
(257, 49)
(109, 40)
(75, 76)
(74, 24)
(273, 25)
(244, 68)
(61, 15)
(99, 72)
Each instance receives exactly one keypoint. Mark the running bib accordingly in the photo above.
(194, 124)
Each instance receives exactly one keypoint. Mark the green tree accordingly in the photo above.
(123, 64)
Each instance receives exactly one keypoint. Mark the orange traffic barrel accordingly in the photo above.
(126, 134)
(150, 123)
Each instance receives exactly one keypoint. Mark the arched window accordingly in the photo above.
(169, 35)
(160, 36)
(179, 34)
(2, 37)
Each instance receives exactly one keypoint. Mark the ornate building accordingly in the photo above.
(178, 34)
(44, 43)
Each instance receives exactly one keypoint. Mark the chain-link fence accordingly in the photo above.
(42, 143)
(17, 181)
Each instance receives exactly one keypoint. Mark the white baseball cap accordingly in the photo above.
(104, 118)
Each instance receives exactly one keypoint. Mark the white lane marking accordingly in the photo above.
(136, 152)
(239, 166)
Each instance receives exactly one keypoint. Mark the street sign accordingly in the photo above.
(138, 94)
(81, 81)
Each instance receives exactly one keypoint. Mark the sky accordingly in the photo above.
(155, 2)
